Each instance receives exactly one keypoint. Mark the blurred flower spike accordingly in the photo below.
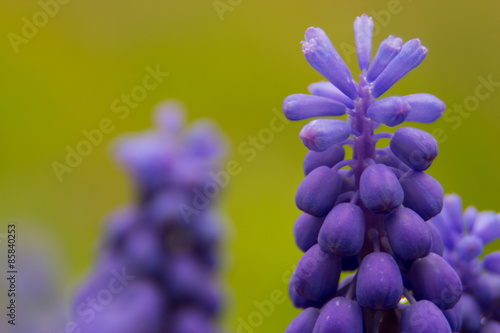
(155, 271)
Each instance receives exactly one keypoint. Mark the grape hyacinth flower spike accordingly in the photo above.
(464, 236)
(158, 262)
(368, 213)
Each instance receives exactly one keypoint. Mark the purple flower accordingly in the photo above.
(467, 235)
(368, 213)
(157, 269)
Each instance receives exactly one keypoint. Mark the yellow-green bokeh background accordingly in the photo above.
(235, 70)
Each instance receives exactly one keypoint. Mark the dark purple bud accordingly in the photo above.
(468, 248)
(487, 226)
(454, 317)
(328, 157)
(379, 189)
(424, 316)
(471, 313)
(304, 322)
(425, 108)
(363, 30)
(486, 290)
(317, 193)
(387, 50)
(317, 274)
(408, 234)
(436, 240)
(323, 57)
(340, 315)
(390, 111)
(416, 148)
(422, 193)
(301, 106)
(301, 302)
(379, 285)
(433, 279)
(320, 134)
(491, 262)
(411, 55)
(326, 89)
(343, 230)
(306, 230)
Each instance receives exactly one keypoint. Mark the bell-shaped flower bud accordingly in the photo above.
(423, 316)
(340, 314)
(390, 111)
(320, 134)
(306, 230)
(304, 322)
(416, 148)
(425, 108)
(318, 191)
(433, 279)
(302, 106)
(326, 89)
(343, 230)
(379, 285)
(317, 274)
(380, 189)
(328, 157)
(408, 235)
(422, 193)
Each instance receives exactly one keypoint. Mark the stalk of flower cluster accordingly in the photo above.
(157, 271)
(464, 237)
(368, 213)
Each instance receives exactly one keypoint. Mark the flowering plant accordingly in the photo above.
(368, 213)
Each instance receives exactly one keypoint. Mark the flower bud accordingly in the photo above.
(363, 30)
(328, 157)
(326, 89)
(323, 57)
(411, 55)
(387, 50)
(390, 111)
(339, 315)
(301, 106)
(317, 193)
(320, 134)
(379, 189)
(379, 285)
(416, 148)
(433, 279)
(422, 193)
(424, 108)
(343, 230)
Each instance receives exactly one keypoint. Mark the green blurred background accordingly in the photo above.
(235, 68)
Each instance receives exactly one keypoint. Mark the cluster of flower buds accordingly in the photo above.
(157, 270)
(368, 213)
(464, 236)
